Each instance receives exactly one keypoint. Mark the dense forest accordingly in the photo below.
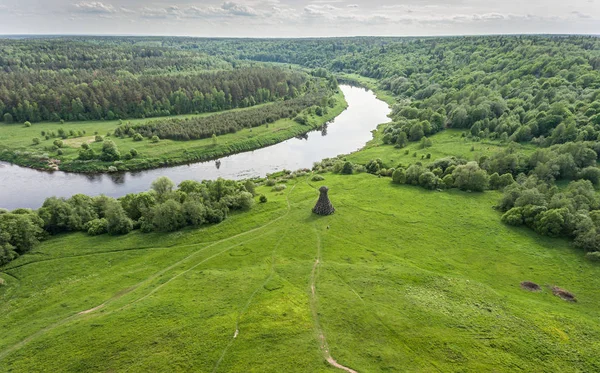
(55, 80)
(230, 122)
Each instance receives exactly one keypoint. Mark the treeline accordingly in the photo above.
(231, 122)
(162, 209)
(93, 79)
(531, 195)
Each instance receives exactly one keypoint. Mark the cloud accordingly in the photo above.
(94, 7)
(239, 9)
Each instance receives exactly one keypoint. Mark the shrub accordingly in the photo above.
(270, 182)
(317, 178)
(133, 152)
(8, 118)
(85, 146)
(155, 139)
(58, 143)
(99, 138)
(250, 187)
(110, 152)
(138, 137)
(27, 124)
(347, 168)
(593, 256)
(35, 141)
(399, 176)
(86, 154)
(263, 198)
(96, 227)
(59, 152)
(278, 188)
(470, 177)
(513, 216)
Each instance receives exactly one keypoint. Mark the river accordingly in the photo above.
(25, 187)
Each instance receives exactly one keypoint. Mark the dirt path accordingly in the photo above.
(69, 318)
(314, 310)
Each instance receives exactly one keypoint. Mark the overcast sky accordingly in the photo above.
(298, 18)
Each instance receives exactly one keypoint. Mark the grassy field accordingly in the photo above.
(404, 280)
(16, 143)
(446, 143)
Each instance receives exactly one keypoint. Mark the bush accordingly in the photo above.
(317, 178)
(58, 143)
(59, 152)
(138, 137)
(278, 188)
(250, 187)
(270, 182)
(513, 216)
(470, 177)
(85, 146)
(8, 118)
(35, 141)
(347, 168)
(593, 256)
(133, 152)
(399, 176)
(27, 124)
(263, 198)
(155, 139)
(99, 138)
(96, 227)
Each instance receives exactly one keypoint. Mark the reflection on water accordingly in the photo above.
(24, 187)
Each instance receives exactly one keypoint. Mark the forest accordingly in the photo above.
(54, 81)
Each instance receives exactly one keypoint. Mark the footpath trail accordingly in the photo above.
(92, 311)
(314, 310)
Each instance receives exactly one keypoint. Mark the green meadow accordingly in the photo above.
(16, 142)
(398, 279)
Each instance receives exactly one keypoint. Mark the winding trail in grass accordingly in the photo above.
(91, 311)
(315, 315)
(248, 302)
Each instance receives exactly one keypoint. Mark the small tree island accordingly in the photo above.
(323, 206)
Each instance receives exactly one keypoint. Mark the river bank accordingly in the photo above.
(351, 130)
(152, 155)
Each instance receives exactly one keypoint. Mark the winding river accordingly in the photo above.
(25, 187)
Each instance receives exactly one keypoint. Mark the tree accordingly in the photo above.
(347, 169)
(250, 187)
(416, 132)
(402, 140)
(470, 177)
(550, 222)
(8, 118)
(169, 216)
(110, 152)
(399, 176)
(162, 186)
(215, 140)
(117, 220)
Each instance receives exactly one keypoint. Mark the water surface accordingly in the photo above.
(25, 187)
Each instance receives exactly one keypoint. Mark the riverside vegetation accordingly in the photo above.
(484, 180)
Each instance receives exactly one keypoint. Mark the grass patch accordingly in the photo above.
(444, 144)
(407, 280)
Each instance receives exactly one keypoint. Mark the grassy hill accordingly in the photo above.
(398, 279)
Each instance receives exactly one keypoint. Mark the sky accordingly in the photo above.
(299, 18)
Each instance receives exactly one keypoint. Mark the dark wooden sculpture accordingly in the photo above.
(323, 206)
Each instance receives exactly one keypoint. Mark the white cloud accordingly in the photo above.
(94, 7)
(239, 9)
